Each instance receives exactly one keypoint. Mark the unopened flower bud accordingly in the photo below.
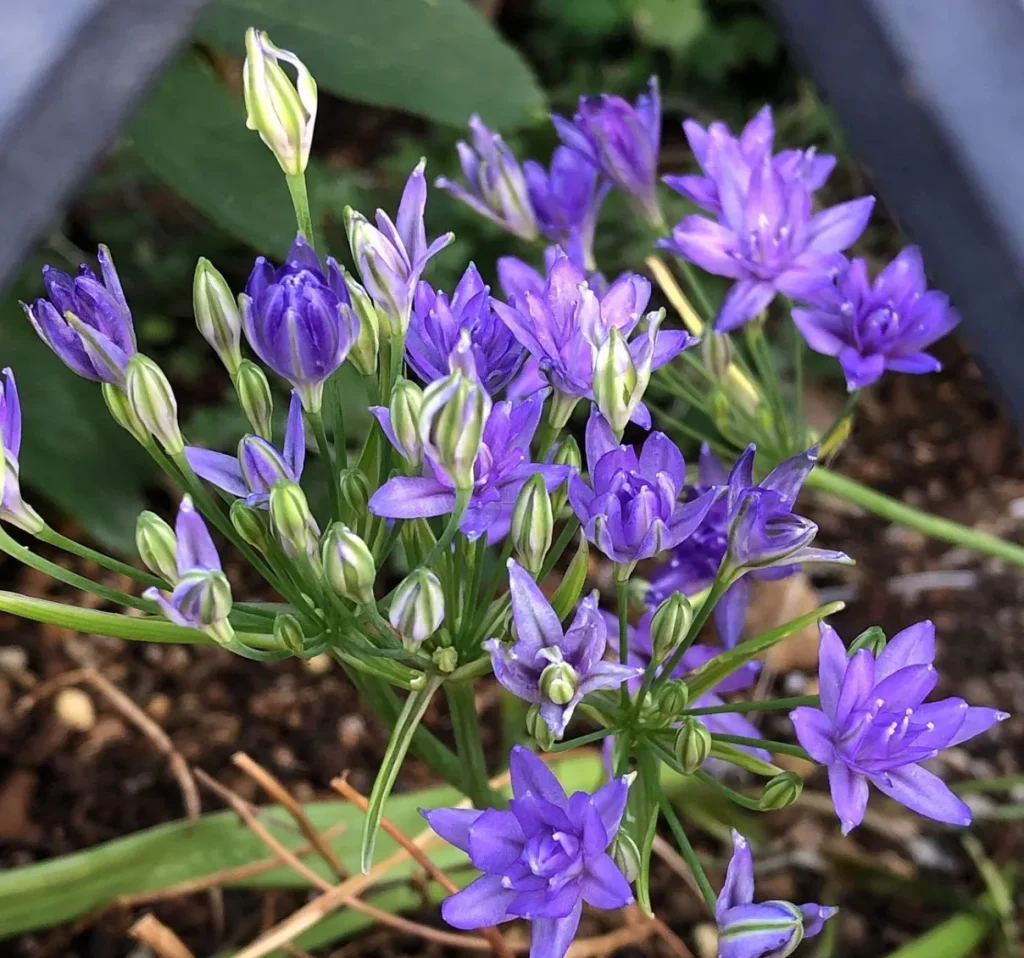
(445, 658)
(152, 400)
(781, 791)
(558, 683)
(281, 112)
(716, 352)
(719, 407)
(363, 354)
(615, 381)
(288, 633)
(670, 624)
(626, 855)
(873, 639)
(693, 744)
(673, 698)
(567, 453)
(417, 608)
(355, 491)
(255, 397)
(406, 407)
(533, 524)
(251, 524)
(292, 522)
(538, 729)
(217, 316)
(205, 595)
(157, 545)
(348, 564)
(122, 413)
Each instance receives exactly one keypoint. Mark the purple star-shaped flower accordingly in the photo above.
(874, 326)
(541, 859)
(547, 665)
(875, 726)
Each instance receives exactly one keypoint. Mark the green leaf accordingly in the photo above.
(672, 24)
(438, 58)
(567, 594)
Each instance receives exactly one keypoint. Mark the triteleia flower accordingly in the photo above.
(807, 167)
(875, 726)
(298, 320)
(202, 595)
(565, 327)
(13, 508)
(567, 200)
(631, 509)
(874, 326)
(86, 320)
(766, 237)
(541, 859)
(391, 256)
(437, 324)
(620, 140)
(772, 929)
(252, 474)
(497, 185)
(547, 665)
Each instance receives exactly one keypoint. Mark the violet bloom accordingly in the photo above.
(86, 320)
(13, 508)
(631, 509)
(497, 186)
(875, 726)
(391, 256)
(620, 140)
(766, 237)
(258, 465)
(501, 468)
(772, 929)
(565, 327)
(876, 326)
(806, 167)
(298, 320)
(547, 665)
(541, 859)
(567, 200)
(437, 323)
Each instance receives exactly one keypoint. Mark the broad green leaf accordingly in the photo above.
(957, 937)
(673, 24)
(438, 58)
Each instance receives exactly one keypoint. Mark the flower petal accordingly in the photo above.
(482, 903)
(535, 620)
(495, 840)
(814, 733)
(849, 795)
(452, 824)
(530, 774)
(551, 937)
(838, 227)
(744, 301)
(915, 645)
(610, 802)
(216, 467)
(412, 497)
(924, 793)
(739, 878)
(603, 885)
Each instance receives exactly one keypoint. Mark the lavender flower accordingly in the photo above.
(437, 323)
(13, 508)
(875, 726)
(805, 167)
(766, 237)
(620, 140)
(631, 509)
(299, 321)
(391, 256)
(86, 320)
(547, 665)
(772, 929)
(876, 326)
(497, 184)
(258, 465)
(541, 859)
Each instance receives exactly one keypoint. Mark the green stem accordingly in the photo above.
(898, 512)
(300, 200)
(697, 288)
(689, 855)
(587, 739)
(54, 538)
(462, 497)
(468, 744)
(779, 748)
(849, 405)
(316, 420)
(622, 593)
(751, 804)
(768, 705)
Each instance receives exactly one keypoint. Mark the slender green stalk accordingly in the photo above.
(798, 385)
(468, 744)
(849, 406)
(622, 593)
(582, 740)
(54, 538)
(902, 514)
(744, 801)
(462, 497)
(697, 289)
(769, 705)
(316, 420)
(300, 200)
(779, 748)
(564, 538)
(689, 855)
(546, 437)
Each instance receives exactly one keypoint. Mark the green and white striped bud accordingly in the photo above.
(217, 316)
(122, 413)
(251, 525)
(670, 625)
(255, 397)
(212, 595)
(417, 608)
(533, 524)
(288, 633)
(716, 352)
(152, 400)
(567, 453)
(293, 523)
(355, 492)
(445, 658)
(781, 791)
(559, 681)
(363, 354)
(693, 744)
(405, 409)
(538, 729)
(615, 381)
(673, 699)
(626, 855)
(348, 564)
(281, 112)
(157, 545)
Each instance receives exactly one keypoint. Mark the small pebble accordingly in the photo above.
(705, 940)
(75, 709)
(319, 664)
(13, 659)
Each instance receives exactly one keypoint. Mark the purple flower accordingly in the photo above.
(86, 320)
(541, 859)
(766, 237)
(620, 140)
(391, 256)
(202, 595)
(772, 929)
(876, 326)
(564, 327)
(804, 167)
(875, 726)
(437, 323)
(631, 509)
(299, 321)
(501, 467)
(547, 665)
(13, 508)
(567, 200)
(259, 465)
(497, 185)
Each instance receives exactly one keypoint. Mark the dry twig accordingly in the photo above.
(152, 932)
